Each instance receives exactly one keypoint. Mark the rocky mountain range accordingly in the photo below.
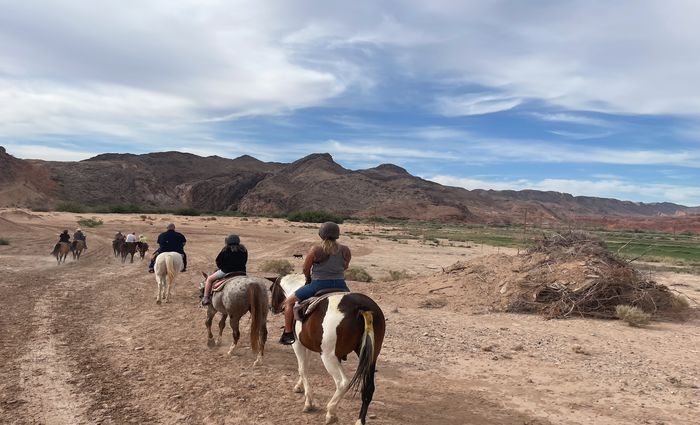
(315, 182)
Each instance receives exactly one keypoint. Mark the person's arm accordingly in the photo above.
(220, 260)
(347, 256)
(308, 262)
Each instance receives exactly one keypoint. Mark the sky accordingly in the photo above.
(587, 97)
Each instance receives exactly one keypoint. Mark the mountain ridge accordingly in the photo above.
(314, 182)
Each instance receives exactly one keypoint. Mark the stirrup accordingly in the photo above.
(287, 338)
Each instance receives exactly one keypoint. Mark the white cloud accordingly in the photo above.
(33, 151)
(569, 118)
(474, 104)
(604, 188)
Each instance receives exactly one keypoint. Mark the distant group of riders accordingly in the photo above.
(324, 265)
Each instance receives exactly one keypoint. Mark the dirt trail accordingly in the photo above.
(85, 342)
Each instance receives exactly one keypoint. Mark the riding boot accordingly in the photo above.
(206, 300)
(151, 266)
(184, 262)
(287, 338)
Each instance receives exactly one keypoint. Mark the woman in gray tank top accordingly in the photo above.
(324, 268)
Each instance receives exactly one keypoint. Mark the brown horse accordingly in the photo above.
(77, 248)
(242, 294)
(126, 249)
(117, 246)
(340, 324)
(143, 248)
(62, 252)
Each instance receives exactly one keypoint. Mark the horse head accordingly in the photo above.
(278, 296)
(202, 284)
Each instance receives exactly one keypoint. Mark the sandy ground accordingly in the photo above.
(85, 343)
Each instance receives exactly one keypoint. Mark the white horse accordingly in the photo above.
(339, 325)
(168, 265)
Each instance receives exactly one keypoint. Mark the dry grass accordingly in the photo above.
(397, 275)
(281, 267)
(357, 274)
(632, 315)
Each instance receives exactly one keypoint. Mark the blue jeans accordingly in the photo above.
(308, 291)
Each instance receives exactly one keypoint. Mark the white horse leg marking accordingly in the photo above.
(303, 356)
(330, 360)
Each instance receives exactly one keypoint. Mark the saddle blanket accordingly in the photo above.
(218, 285)
(304, 309)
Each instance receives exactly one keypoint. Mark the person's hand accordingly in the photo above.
(308, 280)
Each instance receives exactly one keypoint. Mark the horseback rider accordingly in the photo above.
(63, 237)
(170, 241)
(79, 236)
(232, 258)
(131, 238)
(324, 268)
(119, 237)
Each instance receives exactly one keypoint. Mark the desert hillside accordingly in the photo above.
(174, 180)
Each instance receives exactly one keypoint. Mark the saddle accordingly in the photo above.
(304, 309)
(218, 285)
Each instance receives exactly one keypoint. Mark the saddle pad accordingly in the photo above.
(218, 285)
(304, 309)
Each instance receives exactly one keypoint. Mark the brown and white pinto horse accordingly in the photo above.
(339, 325)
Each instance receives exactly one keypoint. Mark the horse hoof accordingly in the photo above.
(331, 419)
(157, 301)
(257, 362)
(298, 389)
(217, 342)
(308, 409)
(211, 343)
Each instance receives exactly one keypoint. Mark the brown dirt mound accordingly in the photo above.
(562, 275)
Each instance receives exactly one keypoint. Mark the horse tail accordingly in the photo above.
(170, 268)
(364, 375)
(257, 297)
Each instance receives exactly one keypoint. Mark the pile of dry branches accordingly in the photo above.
(609, 281)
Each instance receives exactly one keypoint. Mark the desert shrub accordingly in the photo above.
(357, 274)
(679, 303)
(41, 208)
(90, 222)
(281, 267)
(632, 315)
(244, 219)
(73, 207)
(314, 217)
(397, 275)
(4, 241)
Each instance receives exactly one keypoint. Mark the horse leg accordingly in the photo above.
(335, 369)
(234, 323)
(159, 288)
(207, 322)
(303, 356)
(263, 338)
(222, 325)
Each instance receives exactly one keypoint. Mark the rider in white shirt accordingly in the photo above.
(131, 237)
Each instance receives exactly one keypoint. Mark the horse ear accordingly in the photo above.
(205, 275)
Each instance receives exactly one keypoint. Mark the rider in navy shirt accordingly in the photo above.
(170, 241)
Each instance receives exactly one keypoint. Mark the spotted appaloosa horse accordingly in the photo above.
(242, 294)
(168, 265)
(339, 325)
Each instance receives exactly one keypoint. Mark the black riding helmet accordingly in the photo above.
(233, 240)
(329, 230)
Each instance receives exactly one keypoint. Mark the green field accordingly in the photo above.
(678, 252)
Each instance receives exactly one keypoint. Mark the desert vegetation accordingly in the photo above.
(314, 217)
(90, 222)
(358, 274)
(281, 267)
(4, 241)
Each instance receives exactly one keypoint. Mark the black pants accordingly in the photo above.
(155, 254)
